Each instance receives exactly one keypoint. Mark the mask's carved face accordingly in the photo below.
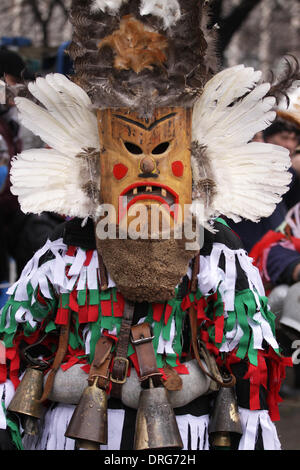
(146, 161)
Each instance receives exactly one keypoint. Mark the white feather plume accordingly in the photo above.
(51, 179)
(250, 177)
(112, 5)
(169, 10)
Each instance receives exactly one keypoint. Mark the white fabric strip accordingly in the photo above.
(198, 431)
(250, 421)
(115, 422)
(228, 287)
(55, 424)
(92, 269)
(7, 391)
(165, 346)
(232, 338)
(78, 262)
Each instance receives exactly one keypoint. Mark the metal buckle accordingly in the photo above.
(120, 381)
(142, 340)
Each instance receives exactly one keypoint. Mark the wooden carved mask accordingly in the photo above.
(146, 161)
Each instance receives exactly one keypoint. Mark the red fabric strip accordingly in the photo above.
(73, 360)
(93, 313)
(168, 312)
(71, 250)
(119, 305)
(219, 328)
(73, 304)
(158, 310)
(86, 368)
(106, 308)
(3, 373)
(186, 303)
(83, 314)
(88, 258)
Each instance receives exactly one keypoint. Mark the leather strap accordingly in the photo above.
(60, 354)
(193, 325)
(120, 367)
(195, 271)
(141, 338)
(101, 363)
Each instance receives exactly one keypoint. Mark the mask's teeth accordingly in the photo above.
(163, 192)
(135, 190)
(149, 189)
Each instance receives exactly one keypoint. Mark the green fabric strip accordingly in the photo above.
(14, 431)
(94, 298)
(81, 297)
(222, 221)
(241, 313)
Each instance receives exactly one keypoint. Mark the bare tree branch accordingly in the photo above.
(44, 22)
(230, 24)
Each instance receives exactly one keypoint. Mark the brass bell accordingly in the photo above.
(156, 426)
(25, 400)
(88, 425)
(225, 420)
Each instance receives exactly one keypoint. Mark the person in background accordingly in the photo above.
(277, 256)
(20, 235)
(284, 132)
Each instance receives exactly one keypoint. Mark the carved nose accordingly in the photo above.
(147, 165)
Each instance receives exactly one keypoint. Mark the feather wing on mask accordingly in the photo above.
(52, 179)
(249, 177)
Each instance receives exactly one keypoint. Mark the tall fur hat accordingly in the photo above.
(142, 53)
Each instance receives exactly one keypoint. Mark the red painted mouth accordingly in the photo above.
(144, 191)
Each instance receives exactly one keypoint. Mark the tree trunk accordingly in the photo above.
(233, 22)
(265, 38)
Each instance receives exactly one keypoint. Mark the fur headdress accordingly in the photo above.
(142, 54)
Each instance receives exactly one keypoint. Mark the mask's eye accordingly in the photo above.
(161, 148)
(133, 148)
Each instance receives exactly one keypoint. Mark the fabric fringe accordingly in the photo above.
(251, 420)
(55, 424)
(193, 430)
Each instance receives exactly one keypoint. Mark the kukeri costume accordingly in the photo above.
(145, 120)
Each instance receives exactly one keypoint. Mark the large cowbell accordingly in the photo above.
(225, 420)
(156, 426)
(88, 425)
(25, 401)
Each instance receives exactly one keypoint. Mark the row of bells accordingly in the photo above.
(156, 426)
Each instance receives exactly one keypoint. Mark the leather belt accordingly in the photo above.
(120, 366)
(101, 364)
(60, 354)
(141, 338)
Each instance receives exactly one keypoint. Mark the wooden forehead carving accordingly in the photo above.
(135, 47)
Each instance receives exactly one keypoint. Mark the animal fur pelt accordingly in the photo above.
(178, 81)
(162, 262)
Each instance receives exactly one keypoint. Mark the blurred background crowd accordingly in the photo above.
(34, 36)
